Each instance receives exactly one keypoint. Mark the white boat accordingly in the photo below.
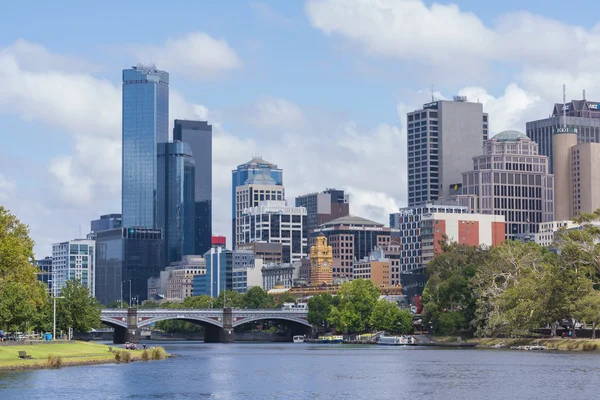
(298, 339)
(395, 340)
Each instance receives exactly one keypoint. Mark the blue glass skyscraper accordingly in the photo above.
(145, 124)
(175, 199)
(244, 171)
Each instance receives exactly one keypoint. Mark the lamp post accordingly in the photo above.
(54, 325)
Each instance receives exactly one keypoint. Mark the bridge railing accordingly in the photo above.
(179, 310)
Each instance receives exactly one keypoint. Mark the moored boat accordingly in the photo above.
(299, 339)
(331, 339)
(395, 340)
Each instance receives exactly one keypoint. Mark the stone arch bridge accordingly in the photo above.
(218, 323)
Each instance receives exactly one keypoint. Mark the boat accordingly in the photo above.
(331, 339)
(299, 339)
(395, 340)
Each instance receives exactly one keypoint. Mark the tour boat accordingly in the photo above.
(395, 340)
(331, 339)
(299, 339)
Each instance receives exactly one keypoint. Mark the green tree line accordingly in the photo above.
(516, 287)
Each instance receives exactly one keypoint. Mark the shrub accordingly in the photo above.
(145, 355)
(126, 357)
(590, 346)
(158, 353)
(54, 361)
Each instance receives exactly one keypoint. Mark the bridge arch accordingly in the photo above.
(204, 321)
(271, 317)
(113, 323)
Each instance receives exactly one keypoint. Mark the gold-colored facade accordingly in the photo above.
(321, 258)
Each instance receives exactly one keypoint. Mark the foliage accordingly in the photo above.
(284, 298)
(117, 304)
(77, 309)
(203, 301)
(257, 298)
(319, 308)
(357, 300)
(229, 298)
(389, 317)
(145, 355)
(54, 361)
(158, 353)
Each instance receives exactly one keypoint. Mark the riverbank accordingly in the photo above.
(47, 355)
(560, 344)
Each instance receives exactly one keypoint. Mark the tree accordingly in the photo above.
(118, 304)
(202, 301)
(357, 300)
(257, 298)
(229, 298)
(389, 317)
(77, 309)
(284, 298)
(589, 310)
(319, 309)
(22, 298)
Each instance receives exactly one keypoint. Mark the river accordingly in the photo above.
(318, 371)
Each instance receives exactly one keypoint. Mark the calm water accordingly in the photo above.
(312, 371)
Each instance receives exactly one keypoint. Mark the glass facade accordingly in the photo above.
(73, 260)
(198, 134)
(106, 222)
(145, 124)
(219, 272)
(45, 272)
(175, 199)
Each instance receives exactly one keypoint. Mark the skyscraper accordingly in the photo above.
(198, 134)
(442, 138)
(324, 207)
(240, 175)
(73, 260)
(145, 124)
(175, 199)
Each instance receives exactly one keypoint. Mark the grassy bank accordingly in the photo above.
(46, 355)
(553, 344)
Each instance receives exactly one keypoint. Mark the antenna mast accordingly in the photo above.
(564, 106)
(584, 94)
(432, 99)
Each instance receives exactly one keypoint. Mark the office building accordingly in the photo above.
(257, 188)
(219, 273)
(275, 222)
(246, 271)
(279, 275)
(106, 222)
(180, 281)
(44, 266)
(351, 238)
(73, 260)
(175, 199)
(268, 252)
(576, 176)
(324, 207)
(125, 260)
(376, 267)
(510, 178)
(239, 176)
(145, 124)
(581, 117)
(198, 134)
(442, 138)
(321, 262)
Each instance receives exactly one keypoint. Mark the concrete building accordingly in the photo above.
(376, 267)
(576, 176)
(510, 179)
(45, 272)
(581, 117)
(154, 289)
(239, 176)
(545, 235)
(276, 222)
(106, 222)
(321, 262)
(442, 137)
(246, 270)
(351, 238)
(324, 207)
(72, 260)
(181, 281)
(259, 187)
(268, 252)
(279, 275)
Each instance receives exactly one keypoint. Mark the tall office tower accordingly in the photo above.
(73, 260)
(198, 134)
(442, 138)
(175, 199)
(239, 176)
(145, 124)
(581, 117)
(576, 176)
(106, 222)
(324, 207)
(510, 179)
(125, 259)
(258, 187)
(276, 222)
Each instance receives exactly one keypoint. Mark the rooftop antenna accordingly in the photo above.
(432, 99)
(564, 105)
(584, 94)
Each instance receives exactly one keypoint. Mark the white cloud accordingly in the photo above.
(196, 56)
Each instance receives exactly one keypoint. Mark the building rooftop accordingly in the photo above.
(257, 162)
(261, 178)
(351, 220)
(509, 136)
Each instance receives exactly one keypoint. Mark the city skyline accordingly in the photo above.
(64, 98)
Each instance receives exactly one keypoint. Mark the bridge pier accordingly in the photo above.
(130, 334)
(216, 334)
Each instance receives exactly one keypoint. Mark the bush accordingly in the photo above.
(158, 353)
(126, 357)
(145, 355)
(590, 346)
(54, 361)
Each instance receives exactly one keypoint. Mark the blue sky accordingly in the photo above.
(319, 87)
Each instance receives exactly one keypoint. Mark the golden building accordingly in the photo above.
(321, 258)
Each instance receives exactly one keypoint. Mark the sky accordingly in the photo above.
(319, 87)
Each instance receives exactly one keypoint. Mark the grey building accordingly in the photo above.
(581, 117)
(323, 207)
(175, 199)
(106, 222)
(45, 272)
(442, 138)
(198, 134)
(145, 124)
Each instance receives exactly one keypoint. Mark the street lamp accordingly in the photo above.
(54, 325)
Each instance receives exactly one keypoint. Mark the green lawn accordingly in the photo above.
(72, 353)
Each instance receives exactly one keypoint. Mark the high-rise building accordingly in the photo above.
(73, 260)
(510, 179)
(145, 124)
(321, 262)
(581, 117)
(273, 221)
(126, 259)
(576, 176)
(324, 207)
(198, 134)
(268, 252)
(175, 199)
(45, 272)
(239, 176)
(219, 273)
(259, 187)
(106, 222)
(442, 138)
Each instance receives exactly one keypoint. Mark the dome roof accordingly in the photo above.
(509, 136)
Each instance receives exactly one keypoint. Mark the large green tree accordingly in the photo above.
(229, 298)
(356, 302)
(23, 299)
(389, 317)
(77, 309)
(319, 309)
(257, 298)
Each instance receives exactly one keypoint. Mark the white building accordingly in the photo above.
(73, 260)
(276, 222)
(280, 274)
(246, 270)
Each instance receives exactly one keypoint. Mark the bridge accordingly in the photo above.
(218, 323)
